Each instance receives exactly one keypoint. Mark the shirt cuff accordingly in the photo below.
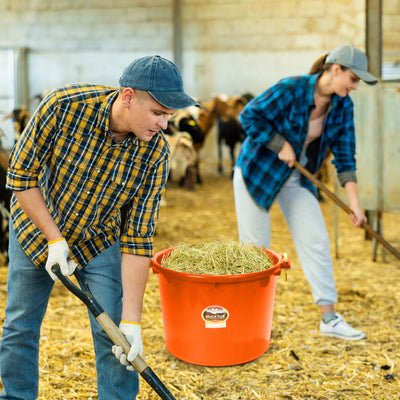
(21, 180)
(346, 177)
(276, 143)
(139, 247)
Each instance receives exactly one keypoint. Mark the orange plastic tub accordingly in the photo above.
(217, 320)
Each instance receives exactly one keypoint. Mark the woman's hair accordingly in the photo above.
(320, 66)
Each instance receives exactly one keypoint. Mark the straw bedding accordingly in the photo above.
(299, 364)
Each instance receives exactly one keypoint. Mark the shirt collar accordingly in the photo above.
(103, 121)
(310, 89)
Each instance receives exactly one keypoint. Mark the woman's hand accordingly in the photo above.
(287, 154)
(358, 216)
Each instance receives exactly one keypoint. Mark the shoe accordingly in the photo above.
(339, 328)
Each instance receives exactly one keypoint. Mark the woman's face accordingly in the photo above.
(344, 81)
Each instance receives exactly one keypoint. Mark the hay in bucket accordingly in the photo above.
(218, 257)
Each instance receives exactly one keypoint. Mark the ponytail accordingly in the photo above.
(320, 65)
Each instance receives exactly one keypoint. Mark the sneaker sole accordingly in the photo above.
(359, 337)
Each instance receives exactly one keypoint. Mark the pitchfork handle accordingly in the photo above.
(345, 207)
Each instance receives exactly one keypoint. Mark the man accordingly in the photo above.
(88, 151)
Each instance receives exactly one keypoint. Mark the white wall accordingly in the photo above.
(228, 46)
(6, 98)
(233, 72)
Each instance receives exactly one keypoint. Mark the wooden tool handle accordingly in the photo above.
(119, 339)
(345, 207)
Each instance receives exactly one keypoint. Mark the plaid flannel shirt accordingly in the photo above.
(86, 177)
(282, 113)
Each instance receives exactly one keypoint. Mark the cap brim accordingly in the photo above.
(365, 76)
(174, 100)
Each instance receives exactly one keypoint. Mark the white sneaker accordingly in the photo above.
(338, 327)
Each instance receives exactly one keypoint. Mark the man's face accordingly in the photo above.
(146, 116)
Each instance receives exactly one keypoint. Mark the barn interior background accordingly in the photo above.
(232, 47)
(222, 47)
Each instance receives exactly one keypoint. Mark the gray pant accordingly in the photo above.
(307, 227)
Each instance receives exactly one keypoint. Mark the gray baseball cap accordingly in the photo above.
(161, 78)
(353, 58)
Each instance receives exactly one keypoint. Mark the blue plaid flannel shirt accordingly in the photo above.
(282, 113)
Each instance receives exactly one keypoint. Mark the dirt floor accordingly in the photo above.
(299, 364)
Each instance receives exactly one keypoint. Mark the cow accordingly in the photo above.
(182, 159)
(198, 123)
(186, 120)
(230, 131)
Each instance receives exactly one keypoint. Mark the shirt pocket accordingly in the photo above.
(69, 158)
(125, 181)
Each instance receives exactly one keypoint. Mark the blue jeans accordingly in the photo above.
(29, 290)
(307, 227)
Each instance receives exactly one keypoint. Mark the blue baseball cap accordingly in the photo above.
(160, 78)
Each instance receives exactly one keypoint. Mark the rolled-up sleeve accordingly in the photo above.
(32, 148)
(344, 146)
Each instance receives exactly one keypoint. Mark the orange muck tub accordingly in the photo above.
(217, 320)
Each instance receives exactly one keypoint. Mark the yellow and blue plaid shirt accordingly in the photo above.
(68, 151)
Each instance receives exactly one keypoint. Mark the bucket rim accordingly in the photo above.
(156, 265)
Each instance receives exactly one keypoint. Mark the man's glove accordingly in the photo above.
(58, 254)
(133, 333)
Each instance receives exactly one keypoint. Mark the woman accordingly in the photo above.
(299, 118)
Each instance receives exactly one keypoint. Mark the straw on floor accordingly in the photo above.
(299, 364)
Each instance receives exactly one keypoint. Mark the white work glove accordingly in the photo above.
(58, 254)
(133, 333)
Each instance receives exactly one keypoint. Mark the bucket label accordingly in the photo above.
(215, 316)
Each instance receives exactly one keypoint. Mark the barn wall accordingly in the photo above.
(228, 46)
(271, 39)
(391, 31)
(92, 40)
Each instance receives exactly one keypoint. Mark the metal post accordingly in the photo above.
(373, 36)
(20, 77)
(177, 34)
(374, 53)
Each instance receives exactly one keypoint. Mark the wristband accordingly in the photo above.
(133, 323)
(54, 241)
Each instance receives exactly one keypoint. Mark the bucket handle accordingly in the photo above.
(153, 266)
(285, 264)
